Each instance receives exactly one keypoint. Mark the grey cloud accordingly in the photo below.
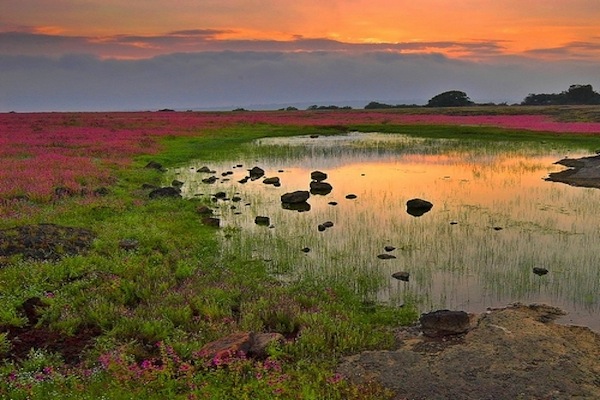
(27, 43)
(572, 49)
(200, 32)
(232, 79)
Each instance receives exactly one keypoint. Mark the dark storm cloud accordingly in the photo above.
(138, 46)
(229, 78)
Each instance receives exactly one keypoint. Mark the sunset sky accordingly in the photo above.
(145, 54)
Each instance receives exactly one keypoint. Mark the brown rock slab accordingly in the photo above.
(444, 322)
(510, 353)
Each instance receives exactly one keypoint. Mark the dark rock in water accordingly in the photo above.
(280, 171)
(300, 207)
(306, 250)
(314, 136)
(328, 224)
(333, 203)
(220, 195)
(351, 196)
(176, 183)
(256, 172)
(401, 276)
(418, 207)
(129, 244)
(444, 322)
(389, 248)
(236, 199)
(164, 192)
(320, 188)
(299, 196)
(453, 222)
(540, 271)
(209, 180)
(385, 256)
(205, 169)
(211, 221)
(497, 228)
(203, 210)
(321, 228)
(263, 221)
(318, 176)
(243, 180)
(278, 184)
(271, 181)
(154, 165)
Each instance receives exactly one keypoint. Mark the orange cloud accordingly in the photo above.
(514, 26)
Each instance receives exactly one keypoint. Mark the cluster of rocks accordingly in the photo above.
(318, 186)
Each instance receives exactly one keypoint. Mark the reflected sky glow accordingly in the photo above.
(494, 218)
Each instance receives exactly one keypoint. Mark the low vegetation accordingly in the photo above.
(128, 317)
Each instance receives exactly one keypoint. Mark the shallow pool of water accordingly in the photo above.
(494, 219)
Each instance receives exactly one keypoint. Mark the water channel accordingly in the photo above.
(494, 219)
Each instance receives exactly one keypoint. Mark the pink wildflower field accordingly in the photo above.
(43, 152)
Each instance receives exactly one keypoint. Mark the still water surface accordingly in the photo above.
(494, 219)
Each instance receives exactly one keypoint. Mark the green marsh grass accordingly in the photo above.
(187, 284)
(507, 221)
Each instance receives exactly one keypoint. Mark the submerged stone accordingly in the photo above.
(318, 176)
(418, 207)
(256, 172)
(262, 221)
(320, 188)
(271, 181)
(299, 196)
(401, 276)
(300, 207)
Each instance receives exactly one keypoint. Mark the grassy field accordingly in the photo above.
(128, 322)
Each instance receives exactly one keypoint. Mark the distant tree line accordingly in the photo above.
(577, 94)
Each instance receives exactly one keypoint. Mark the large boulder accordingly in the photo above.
(272, 181)
(321, 188)
(444, 323)
(418, 207)
(318, 176)
(256, 172)
(299, 196)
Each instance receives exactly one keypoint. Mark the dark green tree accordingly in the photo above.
(452, 98)
(577, 94)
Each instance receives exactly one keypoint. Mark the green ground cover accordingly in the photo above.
(125, 324)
